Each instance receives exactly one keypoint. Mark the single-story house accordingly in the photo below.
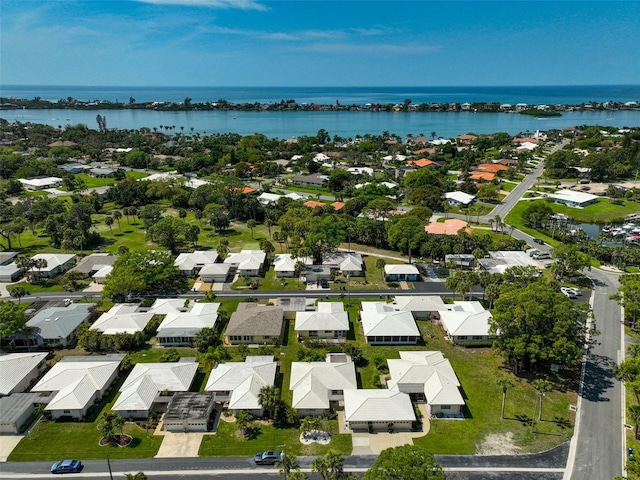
(318, 387)
(192, 263)
(93, 263)
(101, 275)
(17, 408)
(101, 172)
(420, 306)
(330, 323)
(427, 377)
(348, 263)
(57, 263)
(180, 328)
(18, 370)
(7, 258)
(10, 273)
(383, 325)
(452, 226)
(266, 198)
(466, 322)
(500, 261)
(462, 260)
(572, 198)
(459, 199)
(238, 384)
(74, 167)
(401, 272)
(293, 305)
(316, 273)
(285, 265)
(189, 412)
(247, 262)
(145, 384)
(254, 323)
(315, 179)
(77, 383)
(40, 183)
(122, 318)
(215, 272)
(57, 326)
(377, 410)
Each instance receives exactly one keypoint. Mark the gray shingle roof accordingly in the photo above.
(255, 319)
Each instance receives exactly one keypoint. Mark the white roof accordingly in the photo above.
(419, 303)
(329, 316)
(40, 182)
(76, 380)
(147, 380)
(400, 269)
(53, 259)
(187, 324)
(14, 367)
(377, 406)
(247, 259)
(460, 197)
(425, 372)
(573, 196)
(266, 198)
(312, 382)
(380, 319)
(199, 258)
(163, 306)
(244, 380)
(284, 262)
(122, 318)
(103, 271)
(466, 318)
(295, 196)
(215, 269)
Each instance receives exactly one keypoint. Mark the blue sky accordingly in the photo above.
(318, 43)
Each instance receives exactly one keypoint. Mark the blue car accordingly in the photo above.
(66, 466)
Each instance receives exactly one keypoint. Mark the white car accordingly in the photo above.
(576, 291)
(568, 292)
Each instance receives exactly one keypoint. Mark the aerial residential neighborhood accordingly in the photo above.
(369, 304)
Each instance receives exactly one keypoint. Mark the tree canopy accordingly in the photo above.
(407, 462)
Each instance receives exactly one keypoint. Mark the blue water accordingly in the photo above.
(345, 124)
(554, 95)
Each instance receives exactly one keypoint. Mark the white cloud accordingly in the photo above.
(240, 4)
(411, 48)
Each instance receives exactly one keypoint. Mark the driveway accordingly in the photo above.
(179, 445)
(7, 444)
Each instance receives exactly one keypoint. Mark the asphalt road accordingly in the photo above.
(598, 447)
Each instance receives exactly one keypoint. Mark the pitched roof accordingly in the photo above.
(122, 318)
(53, 259)
(400, 269)
(419, 303)
(197, 259)
(147, 380)
(478, 175)
(312, 382)
(14, 367)
(380, 319)
(329, 316)
(492, 167)
(94, 262)
(285, 262)
(60, 322)
(372, 405)
(187, 324)
(466, 318)
(247, 259)
(244, 380)
(425, 372)
(460, 197)
(255, 319)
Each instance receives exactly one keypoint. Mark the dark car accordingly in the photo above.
(66, 466)
(269, 457)
(539, 241)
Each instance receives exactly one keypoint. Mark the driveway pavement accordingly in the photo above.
(180, 445)
(7, 444)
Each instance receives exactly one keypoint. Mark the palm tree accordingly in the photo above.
(269, 223)
(634, 416)
(108, 221)
(497, 223)
(118, 215)
(298, 269)
(40, 263)
(18, 292)
(24, 264)
(136, 476)
(542, 386)
(268, 398)
(330, 467)
(267, 247)
(380, 264)
(280, 238)
(286, 464)
(505, 383)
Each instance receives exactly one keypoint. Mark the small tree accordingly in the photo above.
(542, 386)
(18, 292)
(108, 221)
(244, 420)
(251, 224)
(505, 383)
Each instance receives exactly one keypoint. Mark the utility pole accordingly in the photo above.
(109, 465)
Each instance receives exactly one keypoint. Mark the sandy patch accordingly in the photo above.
(498, 444)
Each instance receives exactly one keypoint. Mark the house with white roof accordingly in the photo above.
(348, 263)
(466, 322)
(142, 390)
(215, 272)
(318, 387)
(329, 323)
(57, 326)
(378, 410)
(401, 273)
(191, 263)
(420, 306)
(238, 384)
(40, 183)
(122, 318)
(573, 198)
(18, 370)
(266, 198)
(459, 199)
(500, 261)
(56, 263)
(284, 264)
(247, 262)
(427, 377)
(101, 275)
(383, 325)
(180, 328)
(77, 383)
(91, 264)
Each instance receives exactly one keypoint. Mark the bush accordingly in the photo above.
(171, 355)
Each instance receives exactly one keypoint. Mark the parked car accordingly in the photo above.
(270, 457)
(575, 291)
(568, 292)
(66, 466)
(539, 241)
(541, 256)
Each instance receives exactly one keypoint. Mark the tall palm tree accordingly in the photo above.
(268, 398)
(40, 263)
(118, 215)
(542, 386)
(108, 221)
(251, 223)
(634, 416)
(505, 383)
(330, 467)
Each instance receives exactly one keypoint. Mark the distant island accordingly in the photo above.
(407, 105)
